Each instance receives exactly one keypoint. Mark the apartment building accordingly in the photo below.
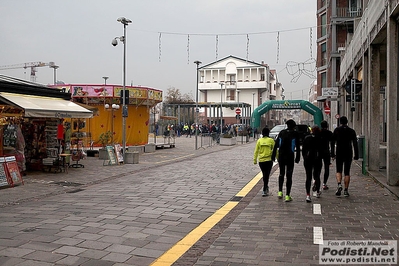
(238, 83)
(367, 73)
(336, 20)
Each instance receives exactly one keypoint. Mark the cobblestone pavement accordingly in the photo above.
(132, 214)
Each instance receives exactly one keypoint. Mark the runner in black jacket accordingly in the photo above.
(289, 150)
(312, 153)
(346, 140)
(326, 142)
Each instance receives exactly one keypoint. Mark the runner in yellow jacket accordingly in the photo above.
(263, 154)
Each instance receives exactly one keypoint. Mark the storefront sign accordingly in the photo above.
(118, 151)
(63, 115)
(3, 176)
(111, 160)
(13, 171)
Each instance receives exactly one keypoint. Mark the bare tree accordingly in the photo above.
(174, 96)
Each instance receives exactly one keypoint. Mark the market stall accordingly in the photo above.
(34, 128)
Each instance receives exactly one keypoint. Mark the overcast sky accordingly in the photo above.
(163, 40)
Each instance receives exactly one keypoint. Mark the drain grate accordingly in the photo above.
(67, 184)
(236, 198)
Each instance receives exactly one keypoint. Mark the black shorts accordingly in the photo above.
(344, 164)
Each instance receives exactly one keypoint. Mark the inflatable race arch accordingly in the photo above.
(285, 105)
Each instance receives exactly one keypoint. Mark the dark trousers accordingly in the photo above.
(326, 162)
(286, 168)
(313, 170)
(266, 168)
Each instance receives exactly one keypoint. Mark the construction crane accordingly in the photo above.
(32, 66)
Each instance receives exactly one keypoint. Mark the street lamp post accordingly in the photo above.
(242, 128)
(221, 108)
(196, 108)
(253, 105)
(125, 22)
(105, 80)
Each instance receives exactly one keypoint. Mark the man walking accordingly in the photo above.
(263, 154)
(289, 151)
(326, 143)
(346, 141)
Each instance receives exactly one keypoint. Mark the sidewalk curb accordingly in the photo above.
(381, 179)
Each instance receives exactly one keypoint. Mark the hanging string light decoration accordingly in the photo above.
(247, 46)
(217, 44)
(296, 69)
(278, 46)
(311, 40)
(188, 49)
(159, 47)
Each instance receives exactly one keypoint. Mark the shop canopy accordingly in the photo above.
(39, 106)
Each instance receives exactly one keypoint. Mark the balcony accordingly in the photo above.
(345, 12)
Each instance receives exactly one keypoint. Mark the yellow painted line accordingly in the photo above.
(250, 185)
(181, 247)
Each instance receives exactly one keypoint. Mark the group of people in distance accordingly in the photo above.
(318, 148)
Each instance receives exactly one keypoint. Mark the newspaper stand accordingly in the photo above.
(9, 172)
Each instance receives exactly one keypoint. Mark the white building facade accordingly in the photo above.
(234, 80)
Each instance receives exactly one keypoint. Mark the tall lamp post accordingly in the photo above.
(253, 105)
(221, 107)
(125, 22)
(196, 108)
(105, 80)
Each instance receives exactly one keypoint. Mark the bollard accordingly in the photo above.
(361, 143)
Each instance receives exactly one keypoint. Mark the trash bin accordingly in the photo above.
(132, 157)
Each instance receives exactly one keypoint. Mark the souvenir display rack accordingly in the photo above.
(77, 144)
(53, 147)
(42, 146)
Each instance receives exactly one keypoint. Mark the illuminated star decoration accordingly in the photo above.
(296, 69)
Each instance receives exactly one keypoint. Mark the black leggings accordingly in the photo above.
(266, 168)
(313, 170)
(283, 163)
(326, 162)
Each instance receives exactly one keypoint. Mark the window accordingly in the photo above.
(231, 95)
(323, 48)
(324, 24)
(262, 77)
(231, 78)
(324, 80)
(354, 8)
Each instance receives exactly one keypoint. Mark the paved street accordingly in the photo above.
(155, 211)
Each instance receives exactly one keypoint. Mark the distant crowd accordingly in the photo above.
(178, 130)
